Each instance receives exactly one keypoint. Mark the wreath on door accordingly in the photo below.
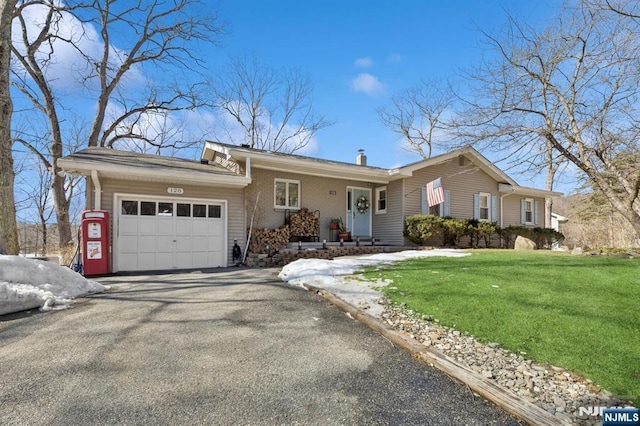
(362, 204)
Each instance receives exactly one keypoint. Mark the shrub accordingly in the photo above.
(420, 227)
(481, 230)
(452, 230)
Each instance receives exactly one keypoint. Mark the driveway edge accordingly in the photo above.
(506, 400)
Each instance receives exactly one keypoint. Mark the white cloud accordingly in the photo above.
(164, 128)
(223, 127)
(368, 84)
(363, 62)
(63, 66)
(395, 57)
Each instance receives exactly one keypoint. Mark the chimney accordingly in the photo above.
(361, 159)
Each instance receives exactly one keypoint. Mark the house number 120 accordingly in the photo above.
(175, 190)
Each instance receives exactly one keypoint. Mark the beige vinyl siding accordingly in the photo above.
(235, 203)
(461, 182)
(512, 211)
(388, 227)
(327, 195)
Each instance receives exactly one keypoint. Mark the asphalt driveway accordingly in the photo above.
(234, 346)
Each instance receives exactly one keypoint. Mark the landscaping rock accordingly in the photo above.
(577, 250)
(523, 243)
(550, 387)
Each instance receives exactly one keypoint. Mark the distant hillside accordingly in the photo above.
(593, 223)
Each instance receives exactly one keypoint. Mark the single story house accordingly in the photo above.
(175, 213)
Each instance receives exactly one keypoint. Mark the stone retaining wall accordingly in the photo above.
(289, 255)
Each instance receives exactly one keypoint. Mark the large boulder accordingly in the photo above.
(523, 243)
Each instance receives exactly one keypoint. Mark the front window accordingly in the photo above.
(381, 199)
(485, 204)
(287, 194)
(528, 210)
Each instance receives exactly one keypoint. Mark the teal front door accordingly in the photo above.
(359, 212)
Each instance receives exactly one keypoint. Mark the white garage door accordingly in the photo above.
(155, 234)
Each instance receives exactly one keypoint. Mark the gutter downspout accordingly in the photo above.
(97, 190)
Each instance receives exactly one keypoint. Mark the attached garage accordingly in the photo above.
(166, 213)
(169, 233)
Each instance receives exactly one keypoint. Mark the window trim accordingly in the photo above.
(379, 190)
(532, 211)
(487, 195)
(286, 195)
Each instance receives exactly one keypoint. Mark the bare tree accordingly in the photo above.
(569, 92)
(418, 114)
(8, 227)
(630, 9)
(40, 196)
(269, 109)
(115, 46)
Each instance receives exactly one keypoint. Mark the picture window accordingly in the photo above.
(287, 194)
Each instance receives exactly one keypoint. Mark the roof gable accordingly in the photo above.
(467, 152)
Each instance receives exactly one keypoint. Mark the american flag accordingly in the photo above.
(435, 193)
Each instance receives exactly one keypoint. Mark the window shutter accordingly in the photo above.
(476, 206)
(446, 210)
(536, 220)
(494, 208)
(423, 200)
(523, 213)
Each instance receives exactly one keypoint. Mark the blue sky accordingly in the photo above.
(358, 54)
(390, 45)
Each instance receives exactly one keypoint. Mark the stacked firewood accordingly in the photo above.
(276, 239)
(304, 224)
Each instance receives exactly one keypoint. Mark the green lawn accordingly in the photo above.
(578, 312)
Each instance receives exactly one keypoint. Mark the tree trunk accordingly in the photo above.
(43, 225)
(62, 211)
(8, 226)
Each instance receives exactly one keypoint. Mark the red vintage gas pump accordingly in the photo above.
(95, 242)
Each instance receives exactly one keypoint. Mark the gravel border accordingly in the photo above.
(554, 389)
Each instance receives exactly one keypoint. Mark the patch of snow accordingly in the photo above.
(28, 283)
(337, 276)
